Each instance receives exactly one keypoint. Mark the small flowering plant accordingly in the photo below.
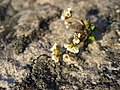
(83, 35)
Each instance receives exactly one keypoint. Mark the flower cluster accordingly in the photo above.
(65, 16)
(74, 45)
(83, 34)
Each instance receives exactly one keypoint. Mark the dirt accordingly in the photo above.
(29, 28)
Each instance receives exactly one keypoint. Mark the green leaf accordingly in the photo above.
(85, 21)
(92, 38)
(92, 27)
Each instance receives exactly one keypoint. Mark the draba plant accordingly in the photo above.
(83, 35)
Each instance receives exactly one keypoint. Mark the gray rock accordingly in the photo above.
(30, 28)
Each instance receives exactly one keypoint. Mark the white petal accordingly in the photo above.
(69, 9)
(79, 35)
(62, 18)
(76, 41)
(65, 45)
(54, 47)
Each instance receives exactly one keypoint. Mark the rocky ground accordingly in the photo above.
(29, 28)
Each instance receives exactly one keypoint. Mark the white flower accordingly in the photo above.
(75, 49)
(77, 35)
(67, 24)
(71, 47)
(66, 58)
(55, 52)
(68, 45)
(66, 14)
(55, 49)
(76, 38)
